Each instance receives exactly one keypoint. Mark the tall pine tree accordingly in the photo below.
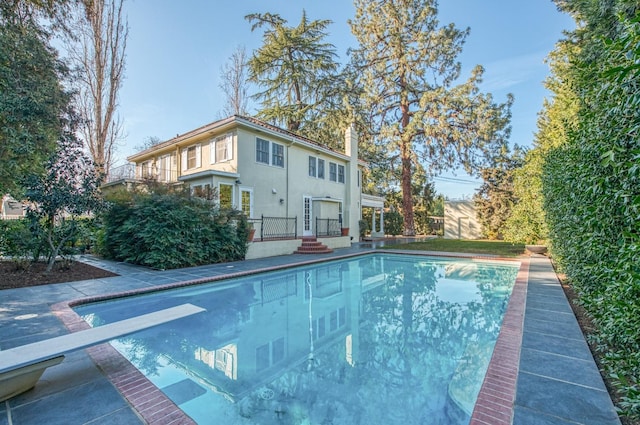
(408, 69)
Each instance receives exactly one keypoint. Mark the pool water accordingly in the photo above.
(376, 339)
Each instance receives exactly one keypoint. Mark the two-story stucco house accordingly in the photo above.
(271, 175)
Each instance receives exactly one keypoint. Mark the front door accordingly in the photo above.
(307, 220)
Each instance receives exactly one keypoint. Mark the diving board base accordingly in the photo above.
(20, 380)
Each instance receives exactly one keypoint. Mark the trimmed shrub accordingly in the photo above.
(171, 230)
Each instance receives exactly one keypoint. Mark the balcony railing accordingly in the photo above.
(129, 172)
(123, 172)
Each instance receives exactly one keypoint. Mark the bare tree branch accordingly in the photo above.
(234, 82)
(98, 50)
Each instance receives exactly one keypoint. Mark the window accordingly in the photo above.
(333, 321)
(340, 173)
(222, 148)
(312, 166)
(262, 151)
(262, 357)
(277, 158)
(191, 157)
(270, 354)
(226, 195)
(277, 350)
(333, 174)
(203, 192)
(165, 168)
(266, 150)
(320, 168)
(246, 202)
(145, 170)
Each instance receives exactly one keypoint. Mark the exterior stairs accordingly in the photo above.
(310, 245)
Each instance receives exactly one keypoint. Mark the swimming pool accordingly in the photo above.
(373, 339)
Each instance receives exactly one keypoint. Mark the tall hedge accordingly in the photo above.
(591, 185)
(171, 230)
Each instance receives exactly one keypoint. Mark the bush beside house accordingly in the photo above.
(171, 230)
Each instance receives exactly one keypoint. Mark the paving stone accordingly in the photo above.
(570, 402)
(571, 369)
(566, 327)
(573, 347)
(524, 416)
(85, 403)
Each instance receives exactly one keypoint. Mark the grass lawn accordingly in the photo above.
(503, 249)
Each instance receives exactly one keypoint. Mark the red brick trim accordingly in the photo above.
(496, 399)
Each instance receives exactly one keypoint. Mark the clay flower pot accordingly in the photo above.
(536, 249)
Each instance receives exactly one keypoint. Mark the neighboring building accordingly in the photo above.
(266, 172)
(11, 209)
(460, 220)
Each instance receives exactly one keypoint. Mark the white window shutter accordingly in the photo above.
(229, 146)
(198, 156)
(183, 155)
(212, 150)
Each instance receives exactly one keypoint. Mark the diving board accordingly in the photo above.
(21, 367)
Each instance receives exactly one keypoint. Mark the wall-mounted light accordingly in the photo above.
(281, 201)
(238, 181)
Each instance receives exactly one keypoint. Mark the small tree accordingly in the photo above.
(68, 190)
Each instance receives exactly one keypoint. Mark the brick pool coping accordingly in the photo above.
(494, 405)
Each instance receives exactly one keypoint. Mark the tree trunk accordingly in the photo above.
(407, 200)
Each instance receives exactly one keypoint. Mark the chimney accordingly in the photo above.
(351, 213)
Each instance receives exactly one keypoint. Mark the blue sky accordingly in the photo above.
(176, 49)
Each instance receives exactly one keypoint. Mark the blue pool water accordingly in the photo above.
(377, 339)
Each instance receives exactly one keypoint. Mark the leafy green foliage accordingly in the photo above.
(295, 66)
(590, 179)
(495, 198)
(32, 100)
(69, 189)
(17, 242)
(170, 230)
(393, 223)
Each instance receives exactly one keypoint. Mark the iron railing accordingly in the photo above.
(276, 227)
(328, 227)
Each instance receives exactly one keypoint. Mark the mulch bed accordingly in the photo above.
(13, 277)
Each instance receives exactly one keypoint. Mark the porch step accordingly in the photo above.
(310, 245)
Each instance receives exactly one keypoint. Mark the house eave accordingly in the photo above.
(182, 140)
(208, 173)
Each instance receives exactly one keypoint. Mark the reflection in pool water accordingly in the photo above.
(378, 339)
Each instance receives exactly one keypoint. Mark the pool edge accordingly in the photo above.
(496, 400)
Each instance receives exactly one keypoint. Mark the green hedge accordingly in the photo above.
(591, 187)
(170, 230)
